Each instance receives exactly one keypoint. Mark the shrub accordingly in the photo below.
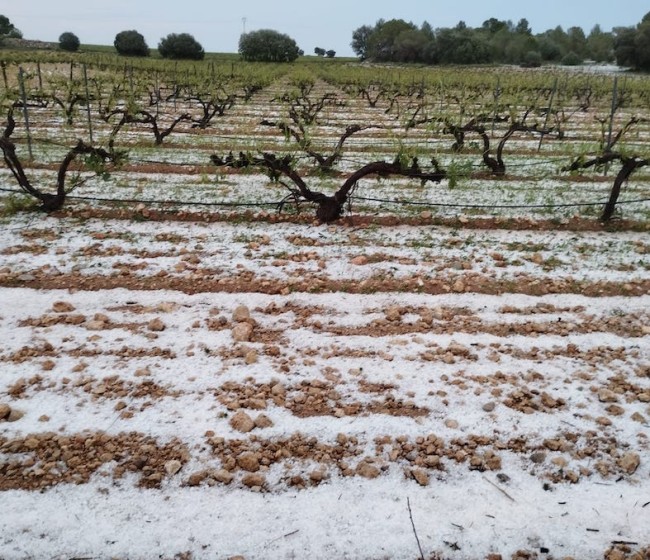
(532, 59)
(131, 43)
(571, 59)
(8, 29)
(267, 45)
(180, 45)
(69, 42)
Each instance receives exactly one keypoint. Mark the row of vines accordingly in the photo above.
(328, 125)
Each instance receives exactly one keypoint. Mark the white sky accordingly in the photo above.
(218, 25)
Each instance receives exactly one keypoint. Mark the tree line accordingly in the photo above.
(500, 41)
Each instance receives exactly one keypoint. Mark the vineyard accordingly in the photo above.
(323, 310)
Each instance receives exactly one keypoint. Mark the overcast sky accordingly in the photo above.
(327, 24)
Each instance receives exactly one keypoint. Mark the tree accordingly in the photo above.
(131, 43)
(642, 44)
(330, 53)
(268, 45)
(523, 27)
(7, 29)
(410, 46)
(461, 46)
(625, 46)
(577, 41)
(359, 42)
(381, 43)
(69, 42)
(600, 45)
(319, 51)
(180, 46)
(494, 25)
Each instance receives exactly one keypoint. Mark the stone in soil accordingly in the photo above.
(367, 470)
(223, 476)
(249, 461)
(421, 477)
(173, 466)
(242, 422)
(629, 462)
(5, 411)
(263, 421)
(241, 314)
(15, 415)
(253, 480)
(62, 307)
(156, 325)
(242, 332)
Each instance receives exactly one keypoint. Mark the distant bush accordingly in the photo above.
(571, 59)
(131, 43)
(69, 42)
(8, 29)
(180, 45)
(532, 59)
(267, 45)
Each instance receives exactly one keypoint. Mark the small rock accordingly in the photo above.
(489, 407)
(242, 332)
(242, 422)
(5, 411)
(615, 410)
(393, 314)
(360, 260)
(32, 443)
(317, 475)
(606, 395)
(254, 479)
(263, 421)
(156, 325)
(241, 314)
(638, 417)
(249, 461)
(452, 424)
(538, 457)
(62, 307)
(426, 215)
(458, 286)
(95, 325)
(173, 466)
(15, 415)
(629, 462)
(367, 470)
(278, 390)
(421, 477)
(196, 478)
(223, 476)
(250, 357)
